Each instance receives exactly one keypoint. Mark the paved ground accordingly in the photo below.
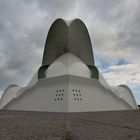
(116, 125)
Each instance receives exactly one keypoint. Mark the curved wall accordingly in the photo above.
(73, 38)
(68, 94)
(68, 64)
(125, 93)
(8, 95)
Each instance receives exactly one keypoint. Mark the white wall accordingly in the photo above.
(68, 64)
(125, 93)
(10, 93)
(41, 97)
(94, 96)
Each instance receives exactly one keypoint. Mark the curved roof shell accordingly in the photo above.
(73, 38)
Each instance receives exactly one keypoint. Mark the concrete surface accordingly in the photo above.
(68, 93)
(114, 125)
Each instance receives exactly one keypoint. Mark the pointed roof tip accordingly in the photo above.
(68, 22)
(58, 20)
(78, 20)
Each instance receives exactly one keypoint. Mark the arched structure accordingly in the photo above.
(9, 94)
(63, 38)
(68, 80)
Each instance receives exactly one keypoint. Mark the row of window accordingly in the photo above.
(63, 94)
(60, 90)
(59, 94)
(58, 99)
(75, 90)
(78, 99)
(76, 94)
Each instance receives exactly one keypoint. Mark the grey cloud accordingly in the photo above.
(117, 30)
(23, 29)
(123, 74)
(113, 26)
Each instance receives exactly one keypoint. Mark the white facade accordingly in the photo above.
(69, 94)
(71, 83)
(68, 64)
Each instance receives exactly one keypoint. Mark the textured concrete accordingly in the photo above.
(115, 125)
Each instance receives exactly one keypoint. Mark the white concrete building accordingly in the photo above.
(68, 80)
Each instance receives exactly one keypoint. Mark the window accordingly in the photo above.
(59, 95)
(77, 94)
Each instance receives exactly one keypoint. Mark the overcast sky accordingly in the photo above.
(114, 27)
